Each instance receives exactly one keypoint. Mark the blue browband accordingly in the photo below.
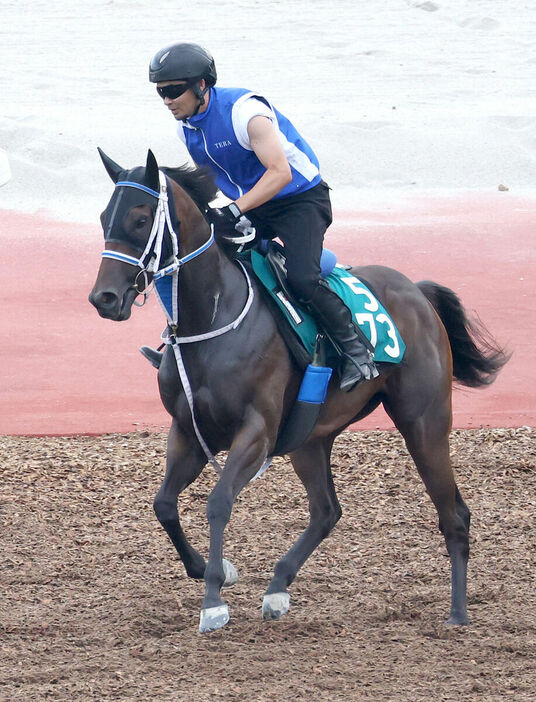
(138, 186)
(181, 261)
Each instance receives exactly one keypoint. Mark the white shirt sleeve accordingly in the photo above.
(180, 133)
(243, 111)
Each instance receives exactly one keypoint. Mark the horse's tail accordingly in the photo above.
(476, 356)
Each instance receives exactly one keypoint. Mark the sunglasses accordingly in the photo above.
(173, 91)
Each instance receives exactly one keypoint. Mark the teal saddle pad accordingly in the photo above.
(367, 311)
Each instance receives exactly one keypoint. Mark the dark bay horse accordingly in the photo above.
(243, 383)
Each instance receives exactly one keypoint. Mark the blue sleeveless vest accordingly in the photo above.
(211, 141)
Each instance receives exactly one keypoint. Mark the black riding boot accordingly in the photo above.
(152, 355)
(355, 349)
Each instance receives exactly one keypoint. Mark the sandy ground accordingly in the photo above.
(397, 96)
(95, 605)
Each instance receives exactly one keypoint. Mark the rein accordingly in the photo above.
(148, 263)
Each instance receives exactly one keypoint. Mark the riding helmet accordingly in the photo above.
(182, 61)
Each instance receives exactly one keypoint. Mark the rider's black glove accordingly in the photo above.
(228, 220)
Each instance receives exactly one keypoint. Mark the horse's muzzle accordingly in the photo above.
(111, 306)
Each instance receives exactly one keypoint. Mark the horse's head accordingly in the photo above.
(135, 244)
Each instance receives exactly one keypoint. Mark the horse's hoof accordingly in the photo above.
(231, 573)
(275, 605)
(457, 620)
(213, 618)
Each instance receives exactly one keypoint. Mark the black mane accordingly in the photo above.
(197, 182)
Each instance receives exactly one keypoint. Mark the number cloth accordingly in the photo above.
(367, 311)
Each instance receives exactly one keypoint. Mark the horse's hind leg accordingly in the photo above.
(312, 465)
(185, 461)
(427, 439)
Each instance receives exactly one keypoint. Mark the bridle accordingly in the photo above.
(149, 263)
(150, 259)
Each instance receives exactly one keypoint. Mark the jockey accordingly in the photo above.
(270, 173)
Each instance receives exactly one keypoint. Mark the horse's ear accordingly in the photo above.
(111, 166)
(152, 179)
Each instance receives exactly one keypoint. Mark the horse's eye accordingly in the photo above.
(141, 222)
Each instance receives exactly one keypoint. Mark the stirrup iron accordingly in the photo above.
(154, 356)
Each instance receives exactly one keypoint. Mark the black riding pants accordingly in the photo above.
(300, 222)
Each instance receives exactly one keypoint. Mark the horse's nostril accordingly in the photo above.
(107, 298)
(103, 300)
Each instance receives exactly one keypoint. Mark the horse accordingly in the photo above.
(234, 391)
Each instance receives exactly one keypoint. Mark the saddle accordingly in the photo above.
(274, 254)
(299, 328)
(274, 257)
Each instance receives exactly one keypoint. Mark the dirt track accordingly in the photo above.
(95, 605)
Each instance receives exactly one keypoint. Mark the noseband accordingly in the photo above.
(150, 259)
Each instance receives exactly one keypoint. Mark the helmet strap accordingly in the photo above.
(200, 95)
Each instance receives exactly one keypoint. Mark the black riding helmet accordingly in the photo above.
(189, 62)
(182, 61)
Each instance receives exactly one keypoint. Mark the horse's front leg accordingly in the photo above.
(185, 461)
(247, 454)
